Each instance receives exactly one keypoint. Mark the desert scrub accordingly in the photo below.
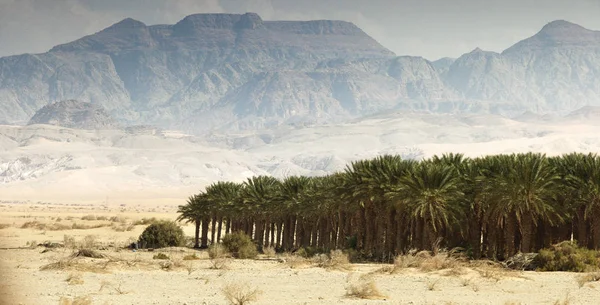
(162, 234)
(240, 293)
(240, 245)
(364, 288)
(568, 256)
(335, 260)
(160, 256)
(191, 257)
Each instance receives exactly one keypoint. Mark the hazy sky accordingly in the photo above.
(429, 28)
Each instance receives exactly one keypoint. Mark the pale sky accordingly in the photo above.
(428, 28)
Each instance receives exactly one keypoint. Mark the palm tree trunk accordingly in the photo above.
(228, 226)
(341, 233)
(267, 231)
(273, 244)
(582, 235)
(596, 230)
(509, 234)
(219, 229)
(390, 234)
(213, 229)
(260, 234)
(204, 234)
(197, 233)
(526, 233)
(279, 229)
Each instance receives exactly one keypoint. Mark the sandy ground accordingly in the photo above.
(136, 278)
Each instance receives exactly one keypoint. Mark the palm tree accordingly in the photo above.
(584, 179)
(431, 194)
(521, 195)
(224, 197)
(197, 210)
(258, 196)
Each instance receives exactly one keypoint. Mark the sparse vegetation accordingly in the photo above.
(588, 278)
(75, 279)
(269, 252)
(162, 234)
(191, 257)
(82, 300)
(335, 260)
(160, 256)
(568, 256)
(240, 293)
(4, 226)
(432, 284)
(364, 288)
(143, 221)
(240, 245)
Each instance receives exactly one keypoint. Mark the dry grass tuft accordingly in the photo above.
(565, 301)
(75, 279)
(432, 284)
(240, 294)
(364, 288)
(88, 253)
(83, 300)
(219, 257)
(427, 262)
(295, 261)
(191, 257)
(336, 260)
(587, 278)
(269, 252)
(4, 226)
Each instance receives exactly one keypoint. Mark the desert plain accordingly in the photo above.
(33, 272)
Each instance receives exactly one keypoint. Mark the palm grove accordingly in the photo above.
(492, 206)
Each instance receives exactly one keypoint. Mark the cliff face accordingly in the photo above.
(226, 71)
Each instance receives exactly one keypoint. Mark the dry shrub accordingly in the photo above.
(88, 253)
(269, 252)
(295, 261)
(89, 242)
(565, 301)
(75, 279)
(4, 226)
(588, 278)
(191, 257)
(217, 251)
(219, 257)
(58, 226)
(144, 221)
(240, 293)
(432, 284)
(160, 256)
(426, 262)
(69, 242)
(89, 217)
(83, 300)
(122, 227)
(336, 260)
(364, 288)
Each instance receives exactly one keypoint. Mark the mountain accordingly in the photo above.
(73, 114)
(231, 72)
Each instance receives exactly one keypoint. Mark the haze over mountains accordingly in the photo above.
(231, 96)
(238, 72)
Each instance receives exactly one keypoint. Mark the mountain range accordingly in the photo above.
(229, 72)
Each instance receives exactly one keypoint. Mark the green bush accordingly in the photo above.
(162, 234)
(567, 256)
(240, 245)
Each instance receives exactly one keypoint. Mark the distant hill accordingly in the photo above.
(73, 114)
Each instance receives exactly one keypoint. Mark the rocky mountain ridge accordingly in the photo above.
(237, 72)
